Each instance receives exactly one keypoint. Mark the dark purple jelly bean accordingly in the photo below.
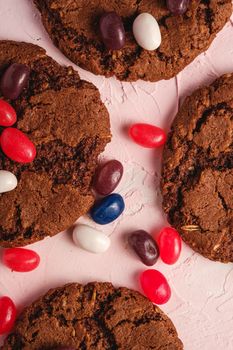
(145, 247)
(178, 7)
(14, 80)
(112, 31)
(108, 177)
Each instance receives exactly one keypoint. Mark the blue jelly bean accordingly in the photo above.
(108, 209)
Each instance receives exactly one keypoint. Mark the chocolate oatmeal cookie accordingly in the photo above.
(74, 28)
(91, 317)
(69, 125)
(197, 177)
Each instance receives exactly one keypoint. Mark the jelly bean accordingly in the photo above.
(7, 315)
(90, 239)
(147, 135)
(108, 177)
(146, 31)
(112, 31)
(170, 243)
(8, 181)
(155, 286)
(17, 146)
(178, 7)
(145, 247)
(14, 80)
(20, 259)
(108, 209)
(7, 114)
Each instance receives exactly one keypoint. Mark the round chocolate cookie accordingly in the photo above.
(69, 126)
(91, 317)
(74, 28)
(197, 177)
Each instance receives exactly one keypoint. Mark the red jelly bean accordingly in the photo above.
(21, 260)
(108, 177)
(155, 286)
(17, 146)
(7, 114)
(170, 243)
(7, 315)
(147, 135)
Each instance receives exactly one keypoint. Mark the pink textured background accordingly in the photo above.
(202, 299)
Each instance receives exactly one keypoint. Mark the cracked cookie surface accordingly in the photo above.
(197, 176)
(73, 26)
(93, 317)
(69, 126)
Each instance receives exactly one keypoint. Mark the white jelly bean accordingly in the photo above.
(8, 181)
(146, 32)
(90, 239)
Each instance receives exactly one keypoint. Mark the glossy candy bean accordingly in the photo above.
(146, 31)
(17, 146)
(178, 7)
(7, 114)
(7, 315)
(108, 177)
(20, 259)
(8, 181)
(145, 247)
(155, 286)
(147, 135)
(108, 209)
(90, 239)
(14, 80)
(112, 31)
(170, 243)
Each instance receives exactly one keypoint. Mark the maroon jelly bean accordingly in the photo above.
(145, 247)
(112, 31)
(14, 80)
(108, 177)
(178, 7)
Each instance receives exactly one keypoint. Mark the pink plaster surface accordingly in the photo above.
(202, 291)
